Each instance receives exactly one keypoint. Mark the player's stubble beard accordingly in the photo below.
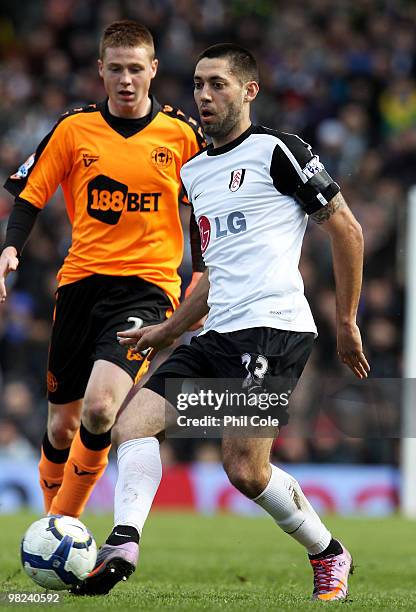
(223, 127)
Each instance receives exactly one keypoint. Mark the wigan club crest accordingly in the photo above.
(237, 179)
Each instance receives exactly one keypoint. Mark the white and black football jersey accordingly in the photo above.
(251, 200)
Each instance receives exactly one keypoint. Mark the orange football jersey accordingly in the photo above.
(121, 193)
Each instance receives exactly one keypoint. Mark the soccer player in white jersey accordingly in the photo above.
(252, 190)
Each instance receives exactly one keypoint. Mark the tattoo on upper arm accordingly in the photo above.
(324, 213)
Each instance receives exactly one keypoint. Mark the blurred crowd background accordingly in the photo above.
(341, 74)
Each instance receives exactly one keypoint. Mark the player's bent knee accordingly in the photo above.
(247, 478)
(63, 423)
(99, 412)
(61, 433)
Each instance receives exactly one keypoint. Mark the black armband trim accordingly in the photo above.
(183, 195)
(21, 222)
(316, 192)
(198, 264)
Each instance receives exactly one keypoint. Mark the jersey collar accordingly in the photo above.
(128, 127)
(230, 145)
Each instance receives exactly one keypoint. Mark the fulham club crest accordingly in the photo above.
(237, 179)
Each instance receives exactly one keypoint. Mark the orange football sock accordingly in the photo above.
(86, 463)
(51, 471)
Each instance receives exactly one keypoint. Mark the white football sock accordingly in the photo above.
(139, 476)
(284, 500)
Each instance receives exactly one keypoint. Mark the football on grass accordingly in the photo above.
(58, 552)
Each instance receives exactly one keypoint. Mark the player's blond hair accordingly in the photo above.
(126, 33)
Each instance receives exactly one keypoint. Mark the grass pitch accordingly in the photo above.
(191, 562)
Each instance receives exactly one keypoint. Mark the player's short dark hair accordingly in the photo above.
(126, 33)
(242, 62)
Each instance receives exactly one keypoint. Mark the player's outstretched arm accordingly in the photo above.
(347, 254)
(163, 335)
(20, 224)
(8, 263)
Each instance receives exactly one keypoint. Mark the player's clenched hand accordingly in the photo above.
(350, 349)
(8, 263)
(152, 337)
(195, 280)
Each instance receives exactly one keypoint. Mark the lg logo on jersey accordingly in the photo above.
(234, 223)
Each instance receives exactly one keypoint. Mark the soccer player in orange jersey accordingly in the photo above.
(118, 164)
